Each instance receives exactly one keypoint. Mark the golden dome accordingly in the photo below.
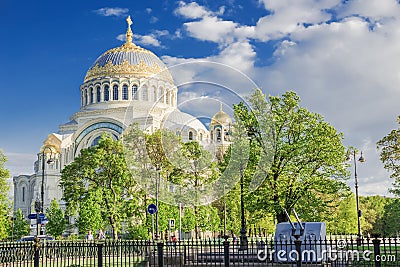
(221, 118)
(128, 60)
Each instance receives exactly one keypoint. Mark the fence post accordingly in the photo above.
(226, 253)
(297, 243)
(37, 248)
(160, 251)
(99, 254)
(377, 251)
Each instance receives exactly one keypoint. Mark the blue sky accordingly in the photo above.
(341, 57)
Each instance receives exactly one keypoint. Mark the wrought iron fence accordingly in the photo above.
(333, 251)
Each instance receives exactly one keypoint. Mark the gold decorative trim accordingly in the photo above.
(141, 69)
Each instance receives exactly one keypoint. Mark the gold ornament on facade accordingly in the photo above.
(141, 69)
(53, 143)
(221, 118)
(125, 68)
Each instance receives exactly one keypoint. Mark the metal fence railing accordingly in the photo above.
(332, 251)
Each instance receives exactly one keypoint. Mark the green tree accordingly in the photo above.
(373, 209)
(5, 224)
(90, 213)
(390, 156)
(103, 169)
(343, 219)
(196, 169)
(208, 219)
(57, 223)
(390, 219)
(305, 154)
(21, 225)
(188, 220)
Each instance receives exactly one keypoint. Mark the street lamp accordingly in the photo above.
(49, 161)
(157, 188)
(361, 159)
(243, 231)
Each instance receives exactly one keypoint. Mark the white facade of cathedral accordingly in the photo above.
(125, 84)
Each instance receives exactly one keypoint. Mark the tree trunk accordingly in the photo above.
(196, 227)
(114, 228)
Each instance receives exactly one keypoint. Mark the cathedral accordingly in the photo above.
(127, 84)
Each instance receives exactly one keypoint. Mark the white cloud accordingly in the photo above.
(153, 19)
(121, 37)
(147, 40)
(207, 26)
(192, 10)
(373, 9)
(211, 29)
(148, 10)
(346, 70)
(150, 39)
(20, 163)
(112, 11)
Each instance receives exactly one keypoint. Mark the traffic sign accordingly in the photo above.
(171, 223)
(41, 216)
(32, 216)
(152, 208)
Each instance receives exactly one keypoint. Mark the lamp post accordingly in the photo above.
(361, 159)
(243, 231)
(38, 207)
(225, 236)
(49, 161)
(157, 185)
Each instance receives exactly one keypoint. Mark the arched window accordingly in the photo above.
(115, 92)
(167, 98)
(218, 135)
(95, 142)
(190, 135)
(98, 94)
(201, 136)
(91, 95)
(106, 93)
(125, 92)
(86, 97)
(134, 92)
(144, 94)
(160, 95)
(154, 94)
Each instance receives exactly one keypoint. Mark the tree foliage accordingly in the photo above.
(5, 224)
(21, 225)
(373, 210)
(307, 154)
(390, 219)
(57, 223)
(343, 219)
(390, 156)
(90, 213)
(101, 169)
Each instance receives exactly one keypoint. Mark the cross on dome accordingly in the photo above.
(129, 33)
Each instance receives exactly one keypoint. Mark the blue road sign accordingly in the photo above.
(32, 216)
(152, 208)
(171, 223)
(41, 216)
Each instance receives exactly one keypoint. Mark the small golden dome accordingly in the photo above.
(128, 60)
(221, 118)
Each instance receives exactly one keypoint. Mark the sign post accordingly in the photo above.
(152, 209)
